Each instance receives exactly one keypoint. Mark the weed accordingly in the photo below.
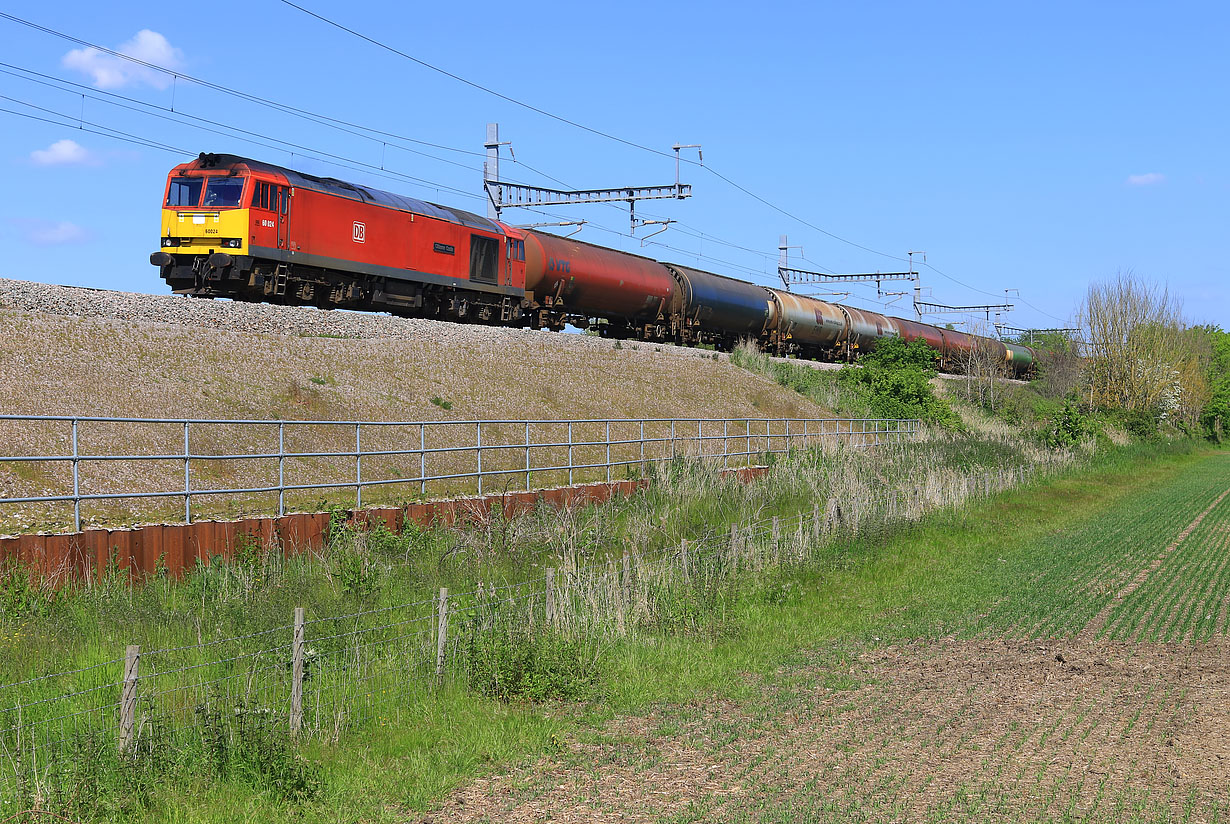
(509, 660)
(440, 402)
(22, 594)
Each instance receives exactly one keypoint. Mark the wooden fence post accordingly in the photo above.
(296, 675)
(442, 633)
(734, 547)
(128, 697)
(627, 577)
(777, 535)
(550, 596)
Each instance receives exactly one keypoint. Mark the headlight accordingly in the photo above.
(231, 242)
(170, 241)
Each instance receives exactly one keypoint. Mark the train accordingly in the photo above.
(243, 229)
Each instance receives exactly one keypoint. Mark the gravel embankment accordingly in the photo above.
(268, 319)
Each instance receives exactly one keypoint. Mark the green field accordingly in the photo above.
(1056, 651)
(1031, 661)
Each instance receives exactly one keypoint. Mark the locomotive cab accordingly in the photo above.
(206, 226)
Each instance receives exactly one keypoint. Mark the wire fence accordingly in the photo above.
(327, 676)
(232, 466)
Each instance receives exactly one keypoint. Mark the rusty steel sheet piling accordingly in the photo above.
(176, 549)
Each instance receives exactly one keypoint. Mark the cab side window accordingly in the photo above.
(260, 196)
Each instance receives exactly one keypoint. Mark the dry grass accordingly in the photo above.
(57, 365)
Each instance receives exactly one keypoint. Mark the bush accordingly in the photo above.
(1066, 428)
(895, 379)
(1141, 423)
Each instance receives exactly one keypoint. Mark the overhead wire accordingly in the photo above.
(349, 127)
(81, 123)
(616, 138)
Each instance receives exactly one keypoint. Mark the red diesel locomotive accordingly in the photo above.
(242, 229)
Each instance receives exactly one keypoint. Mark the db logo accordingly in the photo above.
(360, 232)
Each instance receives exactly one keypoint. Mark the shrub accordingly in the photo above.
(1066, 428)
(895, 380)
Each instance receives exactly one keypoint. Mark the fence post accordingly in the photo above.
(734, 546)
(550, 596)
(570, 453)
(76, 481)
(683, 559)
(296, 675)
(358, 466)
(281, 468)
(478, 441)
(423, 460)
(442, 632)
(608, 452)
(725, 444)
(776, 532)
(527, 456)
(187, 477)
(128, 697)
(627, 577)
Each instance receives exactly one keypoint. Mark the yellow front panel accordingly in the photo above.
(201, 230)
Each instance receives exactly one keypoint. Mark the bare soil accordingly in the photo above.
(980, 730)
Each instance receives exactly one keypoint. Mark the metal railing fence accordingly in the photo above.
(363, 455)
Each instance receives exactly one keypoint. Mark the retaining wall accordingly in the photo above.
(138, 550)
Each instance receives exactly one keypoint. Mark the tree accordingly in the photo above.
(1142, 358)
(984, 365)
(1215, 417)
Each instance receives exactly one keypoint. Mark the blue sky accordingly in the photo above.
(1030, 146)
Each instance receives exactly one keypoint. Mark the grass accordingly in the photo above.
(887, 583)
(68, 630)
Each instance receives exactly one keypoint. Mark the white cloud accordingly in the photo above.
(111, 72)
(63, 153)
(1146, 179)
(51, 232)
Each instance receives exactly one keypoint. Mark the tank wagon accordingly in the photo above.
(242, 229)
